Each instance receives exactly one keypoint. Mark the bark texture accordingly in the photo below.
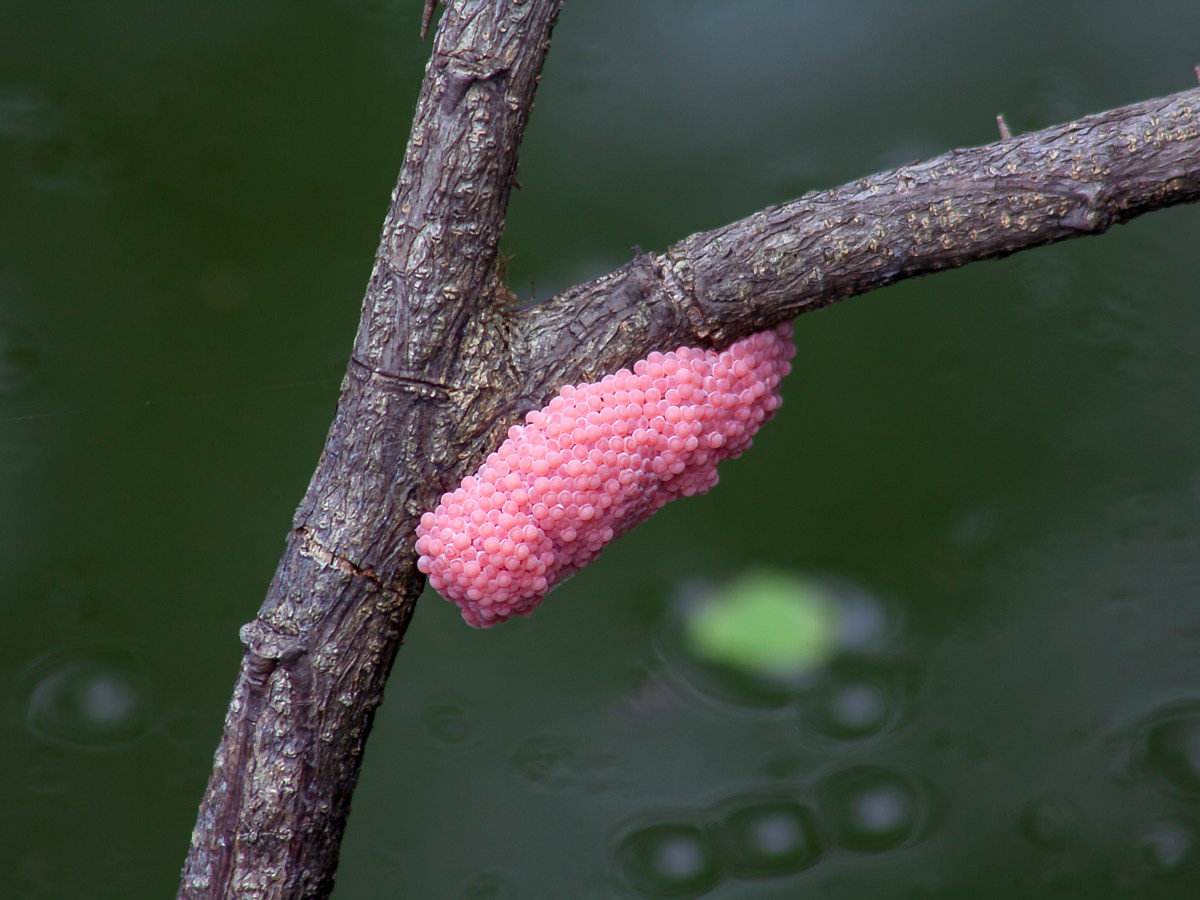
(443, 365)
(319, 650)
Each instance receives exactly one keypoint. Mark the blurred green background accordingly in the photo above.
(988, 479)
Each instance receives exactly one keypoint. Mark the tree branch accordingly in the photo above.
(443, 364)
(966, 205)
(319, 651)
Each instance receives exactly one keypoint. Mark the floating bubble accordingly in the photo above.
(866, 625)
(556, 763)
(449, 723)
(859, 699)
(1051, 823)
(1167, 846)
(1162, 853)
(870, 808)
(94, 697)
(1168, 748)
(547, 762)
(670, 859)
(857, 710)
(769, 838)
(852, 709)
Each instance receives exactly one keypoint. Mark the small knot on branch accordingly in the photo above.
(266, 650)
(427, 17)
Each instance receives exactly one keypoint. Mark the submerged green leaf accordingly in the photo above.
(767, 623)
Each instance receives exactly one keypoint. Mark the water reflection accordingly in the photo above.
(1161, 855)
(859, 699)
(875, 808)
(865, 809)
(1167, 749)
(770, 837)
(92, 698)
(450, 722)
(1167, 846)
(558, 763)
(854, 710)
(670, 859)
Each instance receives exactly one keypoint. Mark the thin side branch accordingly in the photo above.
(714, 287)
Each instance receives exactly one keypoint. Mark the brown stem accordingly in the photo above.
(442, 366)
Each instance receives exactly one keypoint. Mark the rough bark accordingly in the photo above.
(966, 205)
(442, 365)
(321, 646)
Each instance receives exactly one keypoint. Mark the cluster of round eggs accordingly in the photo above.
(598, 460)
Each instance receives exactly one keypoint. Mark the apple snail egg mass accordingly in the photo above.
(596, 461)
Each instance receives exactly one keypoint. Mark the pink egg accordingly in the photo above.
(566, 482)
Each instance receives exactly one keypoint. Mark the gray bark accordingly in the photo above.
(443, 365)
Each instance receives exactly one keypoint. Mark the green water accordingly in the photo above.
(992, 471)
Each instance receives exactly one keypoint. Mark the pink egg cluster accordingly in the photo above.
(597, 461)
